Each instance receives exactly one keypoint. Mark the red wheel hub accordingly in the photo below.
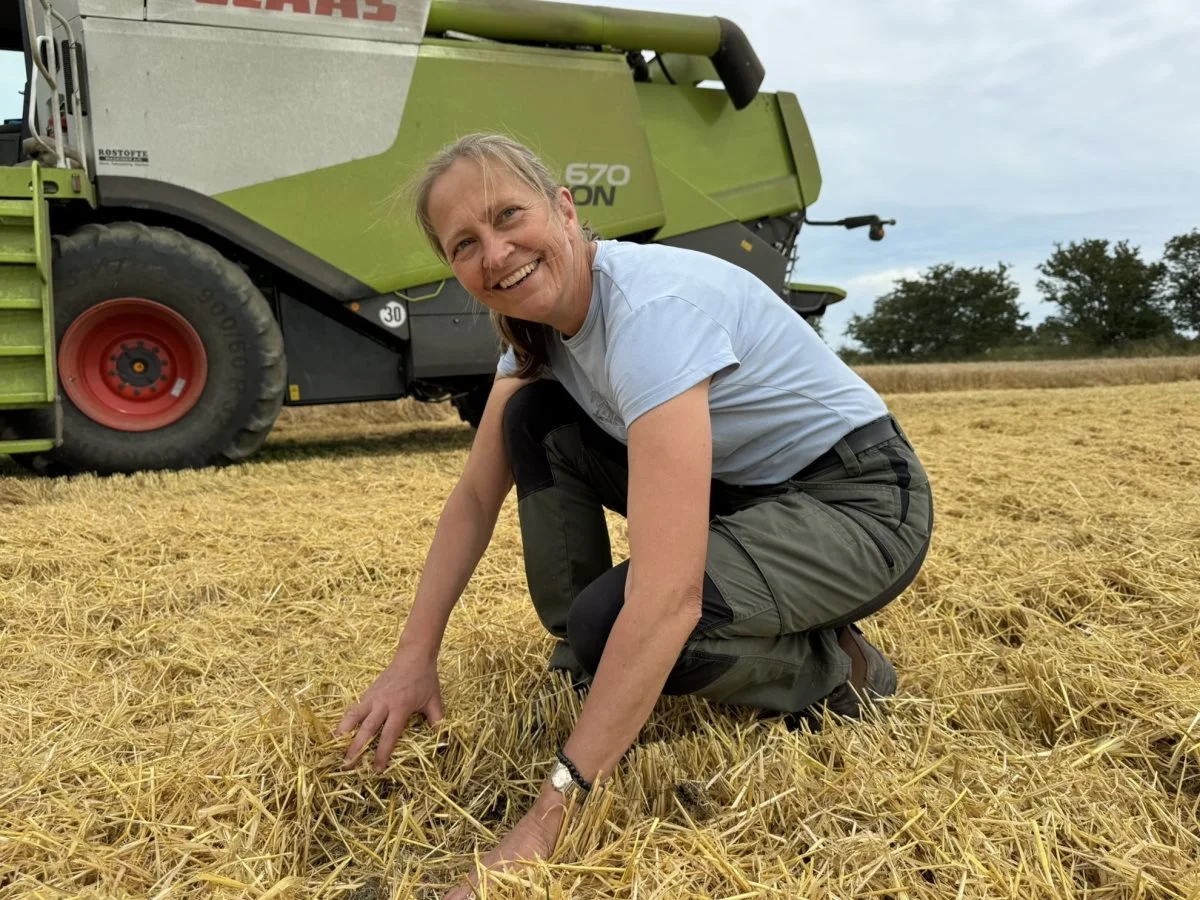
(132, 364)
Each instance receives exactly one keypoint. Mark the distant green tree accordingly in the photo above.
(1181, 259)
(949, 312)
(1105, 299)
(852, 356)
(815, 322)
(1052, 333)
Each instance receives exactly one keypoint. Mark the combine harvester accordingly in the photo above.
(198, 220)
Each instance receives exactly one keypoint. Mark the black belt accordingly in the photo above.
(860, 439)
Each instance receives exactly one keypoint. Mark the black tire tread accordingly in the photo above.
(169, 242)
(470, 405)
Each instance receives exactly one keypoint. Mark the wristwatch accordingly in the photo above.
(565, 778)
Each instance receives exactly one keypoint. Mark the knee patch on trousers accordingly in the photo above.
(595, 610)
(529, 416)
(593, 615)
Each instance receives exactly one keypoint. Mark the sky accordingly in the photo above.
(989, 131)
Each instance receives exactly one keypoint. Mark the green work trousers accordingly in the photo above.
(788, 564)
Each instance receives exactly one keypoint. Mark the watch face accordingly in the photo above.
(560, 778)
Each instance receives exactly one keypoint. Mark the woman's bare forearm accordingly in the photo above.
(670, 470)
(463, 533)
(642, 648)
(464, 529)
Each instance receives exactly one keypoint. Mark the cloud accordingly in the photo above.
(876, 283)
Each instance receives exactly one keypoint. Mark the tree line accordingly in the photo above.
(1107, 299)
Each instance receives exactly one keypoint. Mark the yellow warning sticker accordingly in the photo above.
(747, 246)
(293, 392)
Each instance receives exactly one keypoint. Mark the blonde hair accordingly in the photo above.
(528, 340)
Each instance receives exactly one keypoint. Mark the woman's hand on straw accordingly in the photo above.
(532, 838)
(408, 685)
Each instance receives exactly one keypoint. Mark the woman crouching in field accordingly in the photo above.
(772, 500)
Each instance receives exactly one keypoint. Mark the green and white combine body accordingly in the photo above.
(218, 185)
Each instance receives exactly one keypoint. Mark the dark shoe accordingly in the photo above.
(844, 700)
(563, 660)
(880, 682)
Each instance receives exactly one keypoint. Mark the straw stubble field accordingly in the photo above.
(177, 649)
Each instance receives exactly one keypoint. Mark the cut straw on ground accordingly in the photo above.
(178, 648)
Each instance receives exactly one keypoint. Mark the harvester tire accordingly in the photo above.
(210, 370)
(470, 405)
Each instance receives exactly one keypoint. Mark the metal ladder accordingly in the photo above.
(58, 164)
(28, 373)
(65, 99)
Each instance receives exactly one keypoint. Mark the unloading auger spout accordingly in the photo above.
(567, 24)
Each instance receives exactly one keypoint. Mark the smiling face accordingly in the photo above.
(509, 246)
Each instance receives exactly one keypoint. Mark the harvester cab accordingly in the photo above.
(181, 256)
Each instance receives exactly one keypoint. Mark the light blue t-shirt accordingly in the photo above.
(662, 319)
